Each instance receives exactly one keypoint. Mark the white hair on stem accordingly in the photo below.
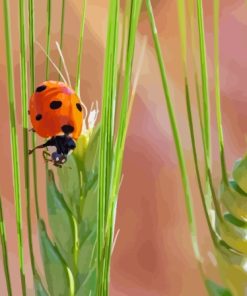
(85, 108)
(51, 61)
(63, 61)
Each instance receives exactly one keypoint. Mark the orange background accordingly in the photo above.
(153, 255)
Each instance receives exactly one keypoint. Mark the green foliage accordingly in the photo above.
(234, 200)
(176, 135)
(80, 48)
(113, 136)
(48, 37)
(56, 271)
(72, 213)
(240, 173)
(82, 195)
(39, 288)
(233, 229)
(14, 141)
(229, 234)
(61, 221)
(3, 241)
(216, 290)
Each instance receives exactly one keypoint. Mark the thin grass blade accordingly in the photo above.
(120, 139)
(183, 34)
(24, 96)
(217, 90)
(48, 37)
(5, 254)
(176, 135)
(107, 130)
(61, 35)
(204, 79)
(31, 23)
(79, 55)
(14, 142)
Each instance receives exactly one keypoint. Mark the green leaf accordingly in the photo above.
(89, 286)
(60, 219)
(233, 232)
(81, 147)
(234, 199)
(92, 152)
(89, 213)
(240, 173)
(69, 181)
(89, 164)
(39, 288)
(232, 267)
(59, 281)
(216, 290)
(86, 255)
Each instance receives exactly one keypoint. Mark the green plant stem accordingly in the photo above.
(79, 55)
(197, 88)
(24, 96)
(198, 99)
(204, 78)
(48, 45)
(32, 88)
(5, 250)
(192, 136)
(176, 136)
(206, 112)
(121, 133)
(125, 29)
(122, 130)
(183, 31)
(14, 142)
(61, 35)
(217, 91)
(48, 38)
(106, 135)
(198, 95)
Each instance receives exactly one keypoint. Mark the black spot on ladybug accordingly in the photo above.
(41, 88)
(55, 105)
(79, 107)
(67, 129)
(38, 117)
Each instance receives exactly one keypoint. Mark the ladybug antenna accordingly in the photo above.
(51, 61)
(63, 61)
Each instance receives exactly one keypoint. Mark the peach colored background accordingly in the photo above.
(153, 254)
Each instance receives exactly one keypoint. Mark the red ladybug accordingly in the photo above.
(56, 113)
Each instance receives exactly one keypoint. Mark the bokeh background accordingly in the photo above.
(153, 254)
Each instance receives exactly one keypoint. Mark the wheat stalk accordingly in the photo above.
(82, 262)
(5, 255)
(14, 143)
(227, 217)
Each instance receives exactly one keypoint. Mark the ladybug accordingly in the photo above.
(56, 113)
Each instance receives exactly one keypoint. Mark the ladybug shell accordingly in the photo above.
(55, 109)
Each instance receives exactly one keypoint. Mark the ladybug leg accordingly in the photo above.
(57, 164)
(30, 151)
(46, 156)
(45, 152)
(32, 130)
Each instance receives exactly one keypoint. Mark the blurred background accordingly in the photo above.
(153, 254)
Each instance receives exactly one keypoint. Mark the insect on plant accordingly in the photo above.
(81, 202)
(56, 113)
